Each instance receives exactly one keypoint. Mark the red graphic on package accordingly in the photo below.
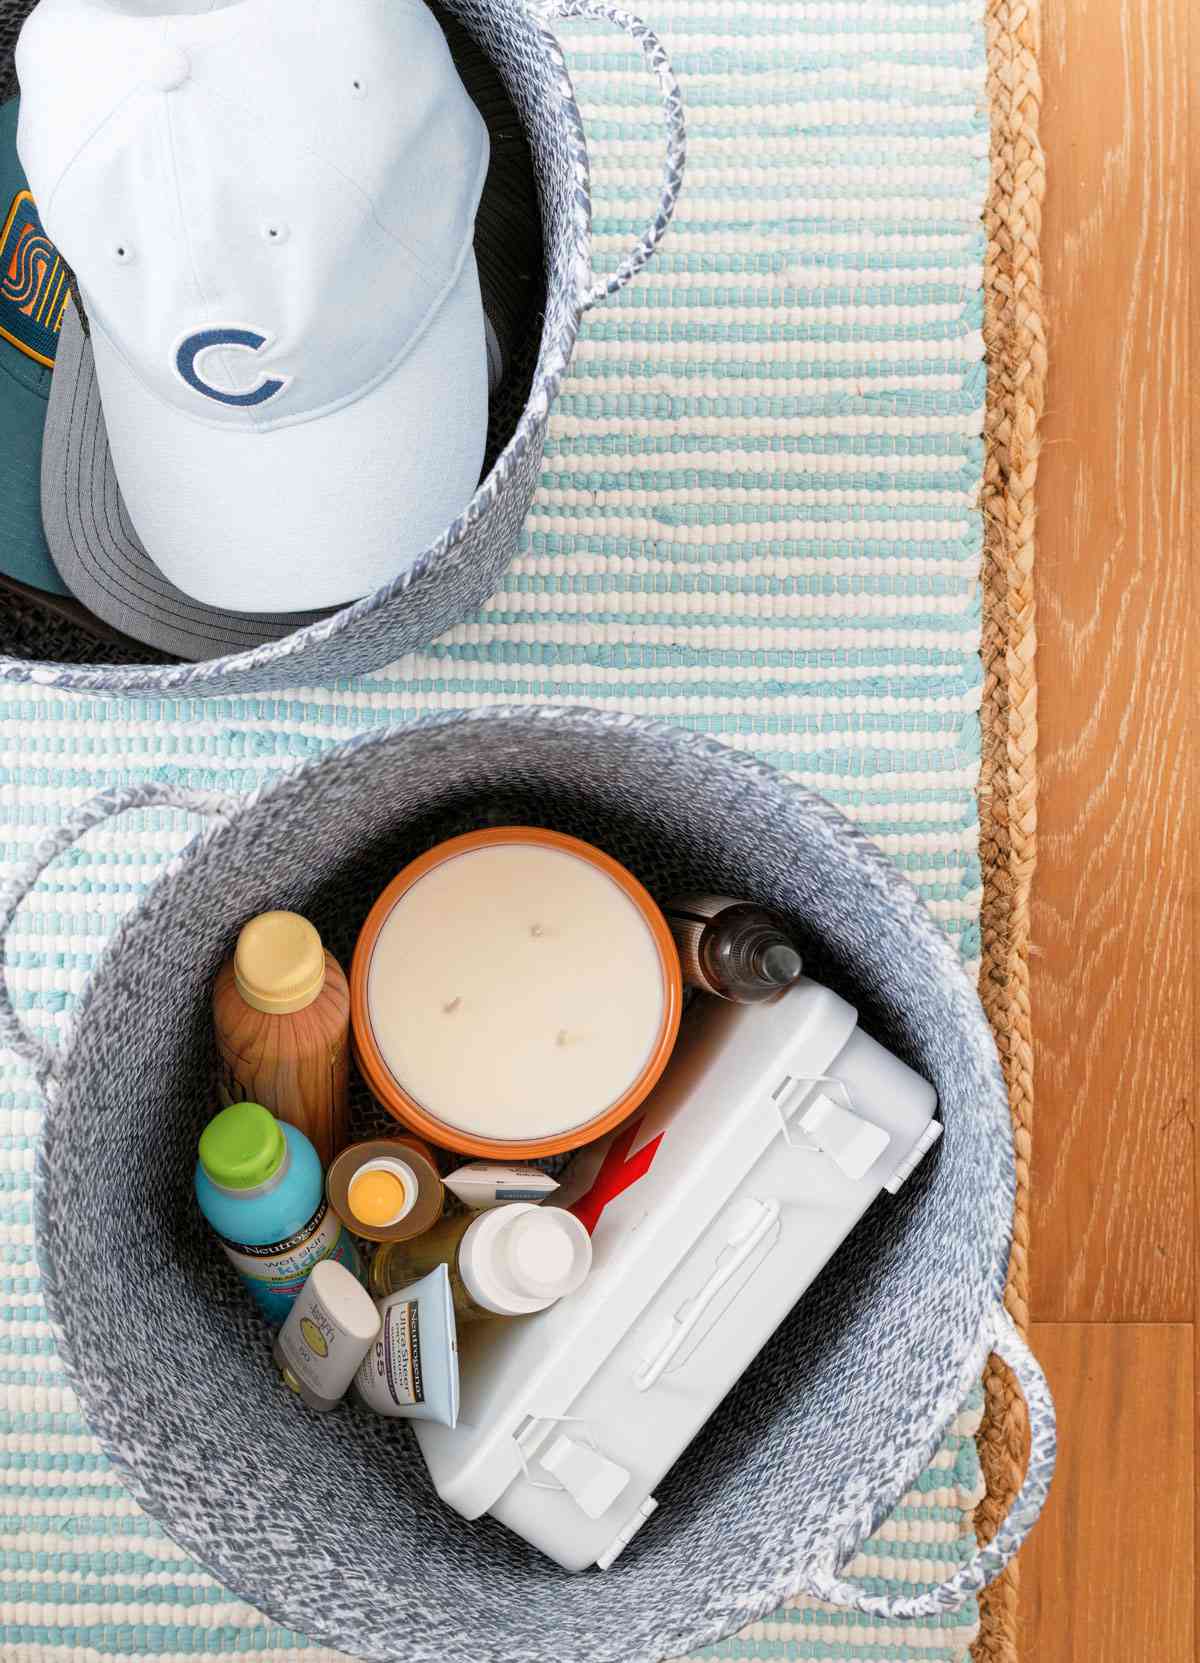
(618, 1172)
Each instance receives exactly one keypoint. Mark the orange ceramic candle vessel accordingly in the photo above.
(514, 993)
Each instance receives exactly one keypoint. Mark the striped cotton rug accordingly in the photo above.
(757, 518)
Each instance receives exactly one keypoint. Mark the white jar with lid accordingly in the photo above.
(509, 1262)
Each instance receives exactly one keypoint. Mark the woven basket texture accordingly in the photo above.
(331, 1525)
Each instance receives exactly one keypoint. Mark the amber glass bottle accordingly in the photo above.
(734, 949)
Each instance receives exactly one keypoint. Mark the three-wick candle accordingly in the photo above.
(514, 991)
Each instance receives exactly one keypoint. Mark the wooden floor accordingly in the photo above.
(1109, 1575)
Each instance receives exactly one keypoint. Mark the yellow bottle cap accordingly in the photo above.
(279, 965)
(377, 1196)
(386, 1189)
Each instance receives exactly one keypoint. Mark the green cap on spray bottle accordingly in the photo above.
(242, 1146)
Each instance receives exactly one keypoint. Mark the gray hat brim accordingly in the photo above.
(92, 541)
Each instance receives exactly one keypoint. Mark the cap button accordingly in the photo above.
(170, 69)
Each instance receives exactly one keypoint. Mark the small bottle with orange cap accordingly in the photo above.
(386, 1189)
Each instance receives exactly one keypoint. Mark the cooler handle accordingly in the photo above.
(41, 1057)
(986, 1563)
(744, 1245)
(676, 156)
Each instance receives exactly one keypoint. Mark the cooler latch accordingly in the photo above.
(579, 1468)
(591, 1480)
(850, 1142)
(828, 1119)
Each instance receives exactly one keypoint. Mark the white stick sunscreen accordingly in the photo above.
(328, 1332)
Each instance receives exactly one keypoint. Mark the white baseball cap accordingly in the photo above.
(269, 211)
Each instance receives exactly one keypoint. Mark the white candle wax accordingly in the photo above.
(515, 992)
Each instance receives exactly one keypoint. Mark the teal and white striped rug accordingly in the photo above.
(757, 518)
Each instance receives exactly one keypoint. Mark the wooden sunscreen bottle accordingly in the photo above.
(281, 1010)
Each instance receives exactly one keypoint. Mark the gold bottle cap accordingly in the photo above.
(279, 965)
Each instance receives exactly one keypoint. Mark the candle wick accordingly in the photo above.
(452, 1006)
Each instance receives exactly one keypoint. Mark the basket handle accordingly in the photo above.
(986, 1563)
(673, 164)
(41, 1057)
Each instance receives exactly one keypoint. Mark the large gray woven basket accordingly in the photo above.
(458, 572)
(330, 1523)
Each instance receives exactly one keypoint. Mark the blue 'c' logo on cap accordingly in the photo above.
(190, 348)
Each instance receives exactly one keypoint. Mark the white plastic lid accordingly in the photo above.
(345, 1299)
(521, 1258)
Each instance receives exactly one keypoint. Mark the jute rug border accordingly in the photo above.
(1014, 334)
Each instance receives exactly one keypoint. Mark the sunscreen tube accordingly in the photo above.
(412, 1368)
(481, 1185)
(327, 1334)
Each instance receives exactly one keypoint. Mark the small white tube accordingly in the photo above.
(481, 1185)
(412, 1368)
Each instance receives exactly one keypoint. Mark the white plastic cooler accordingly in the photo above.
(711, 1210)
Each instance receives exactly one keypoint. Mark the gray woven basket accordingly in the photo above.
(330, 1523)
(458, 572)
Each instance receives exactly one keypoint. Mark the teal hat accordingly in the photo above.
(33, 293)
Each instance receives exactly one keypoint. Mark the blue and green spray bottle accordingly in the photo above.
(260, 1186)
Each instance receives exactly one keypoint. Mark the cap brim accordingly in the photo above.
(35, 623)
(96, 548)
(321, 512)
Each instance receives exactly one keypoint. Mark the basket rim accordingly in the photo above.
(876, 868)
(554, 357)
